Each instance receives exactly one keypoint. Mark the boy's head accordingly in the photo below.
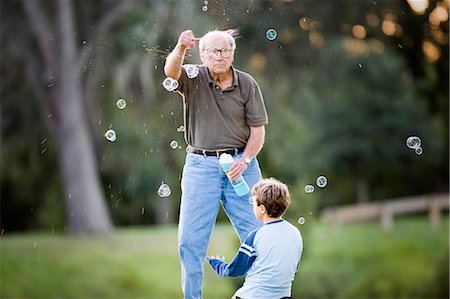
(273, 195)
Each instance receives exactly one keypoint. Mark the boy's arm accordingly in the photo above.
(241, 262)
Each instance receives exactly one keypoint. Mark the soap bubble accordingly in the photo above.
(419, 151)
(180, 129)
(192, 71)
(250, 200)
(271, 34)
(111, 135)
(321, 181)
(121, 103)
(164, 190)
(170, 84)
(413, 142)
(205, 8)
(309, 188)
(174, 144)
(301, 220)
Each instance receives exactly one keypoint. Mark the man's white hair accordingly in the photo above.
(215, 33)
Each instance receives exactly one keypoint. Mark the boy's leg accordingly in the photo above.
(200, 203)
(239, 209)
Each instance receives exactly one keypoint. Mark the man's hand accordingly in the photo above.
(175, 59)
(238, 168)
(187, 39)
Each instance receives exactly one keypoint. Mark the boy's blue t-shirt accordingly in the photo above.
(270, 255)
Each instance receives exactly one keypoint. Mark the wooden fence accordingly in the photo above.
(385, 211)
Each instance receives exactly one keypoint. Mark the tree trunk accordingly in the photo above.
(85, 204)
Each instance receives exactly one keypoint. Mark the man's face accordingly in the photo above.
(216, 47)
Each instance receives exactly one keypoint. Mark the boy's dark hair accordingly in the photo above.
(273, 194)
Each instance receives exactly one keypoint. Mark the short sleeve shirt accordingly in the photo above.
(219, 119)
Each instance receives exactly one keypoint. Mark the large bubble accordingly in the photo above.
(170, 84)
(164, 190)
(174, 144)
(413, 142)
(121, 103)
(111, 135)
(192, 71)
(321, 181)
(271, 34)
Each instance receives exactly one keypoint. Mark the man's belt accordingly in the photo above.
(217, 153)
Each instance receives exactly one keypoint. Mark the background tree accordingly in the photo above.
(53, 71)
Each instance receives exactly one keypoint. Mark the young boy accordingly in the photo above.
(270, 255)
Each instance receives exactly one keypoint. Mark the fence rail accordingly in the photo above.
(385, 211)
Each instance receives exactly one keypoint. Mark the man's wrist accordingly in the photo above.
(182, 48)
(247, 160)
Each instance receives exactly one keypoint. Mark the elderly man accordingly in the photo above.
(224, 113)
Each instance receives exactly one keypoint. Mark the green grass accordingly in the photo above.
(132, 263)
(353, 261)
(363, 261)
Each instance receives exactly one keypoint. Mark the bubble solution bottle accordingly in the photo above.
(239, 185)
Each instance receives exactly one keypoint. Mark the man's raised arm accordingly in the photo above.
(176, 57)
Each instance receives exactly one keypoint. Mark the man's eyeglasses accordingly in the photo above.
(213, 53)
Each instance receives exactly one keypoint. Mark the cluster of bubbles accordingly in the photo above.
(174, 144)
(170, 84)
(164, 190)
(205, 6)
(414, 142)
(180, 129)
(192, 71)
(110, 135)
(271, 34)
(309, 188)
(321, 182)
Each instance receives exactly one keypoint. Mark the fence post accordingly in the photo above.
(434, 214)
(387, 218)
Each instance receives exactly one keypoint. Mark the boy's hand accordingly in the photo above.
(215, 257)
(218, 264)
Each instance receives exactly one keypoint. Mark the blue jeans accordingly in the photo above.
(204, 186)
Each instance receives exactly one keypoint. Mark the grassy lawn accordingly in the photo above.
(363, 261)
(132, 263)
(353, 261)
